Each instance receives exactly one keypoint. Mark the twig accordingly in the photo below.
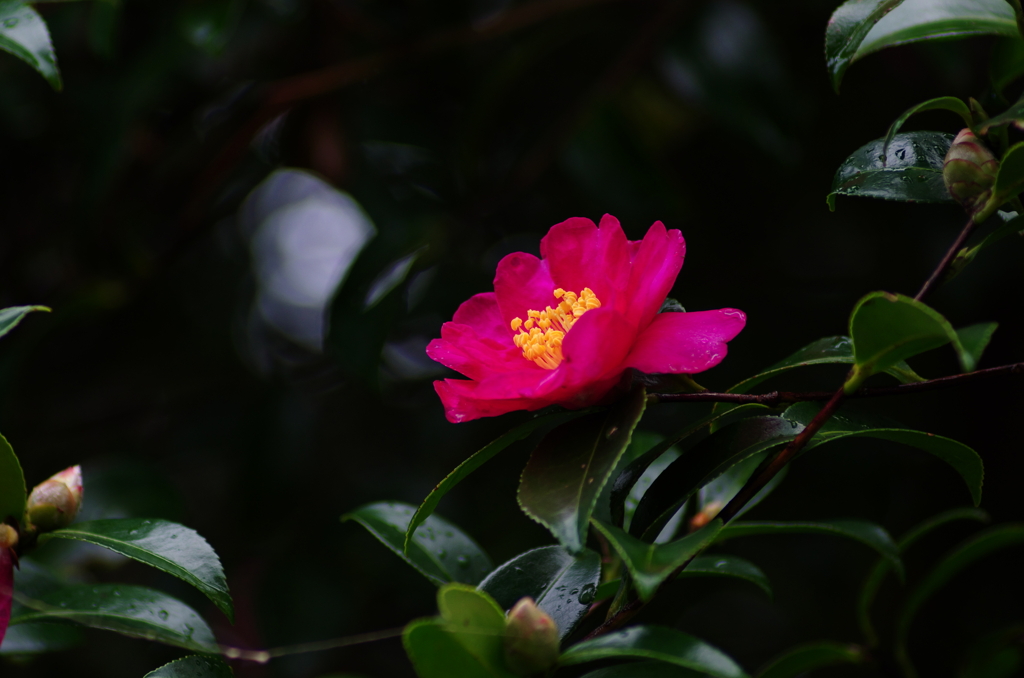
(940, 270)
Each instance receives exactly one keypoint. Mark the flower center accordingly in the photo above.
(541, 335)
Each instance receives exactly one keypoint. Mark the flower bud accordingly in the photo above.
(531, 639)
(54, 503)
(8, 537)
(969, 171)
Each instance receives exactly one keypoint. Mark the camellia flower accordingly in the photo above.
(563, 329)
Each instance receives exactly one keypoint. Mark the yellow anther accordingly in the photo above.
(541, 336)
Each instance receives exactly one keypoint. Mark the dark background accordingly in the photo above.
(469, 128)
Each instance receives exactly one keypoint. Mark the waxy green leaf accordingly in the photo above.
(728, 566)
(1014, 115)
(1012, 225)
(169, 547)
(952, 104)
(908, 170)
(477, 460)
(1009, 180)
(869, 534)
(10, 317)
(651, 564)
(703, 463)
(129, 610)
(655, 642)
(803, 658)
(563, 479)
(648, 669)
(24, 34)
(714, 496)
(437, 654)
(846, 30)
(440, 551)
(195, 666)
(561, 584)
(882, 567)
(13, 494)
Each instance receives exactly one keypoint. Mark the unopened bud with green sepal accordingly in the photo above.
(531, 640)
(969, 171)
(54, 503)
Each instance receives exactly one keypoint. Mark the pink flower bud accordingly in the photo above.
(54, 503)
(531, 639)
(969, 171)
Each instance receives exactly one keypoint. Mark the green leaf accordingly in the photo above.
(940, 104)
(40, 637)
(984, 544)
(887, 328)
(656, 642)
(169, 547)
(477, 460)
(920, 20)
(962, 458)
(804, 658)
(641, 443)
(565, 474)
(974, 339)
(1014, 115)
(439, 550)
(474, 619)
(714, 496)
(703, 463)
(435, 653)
(1013, 225)
(909, 170)
(846, 30)
(881, 568)
(825, 351)
(10, 317)
(129, 610)
(651, 564)
(13, 494)
(623, 488)
(649, 669)
(562, 585)
(728, 566)
(1009, 180)
(195, 666)
(23, 33)
(869, 534)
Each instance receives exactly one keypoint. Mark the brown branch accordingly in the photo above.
(774, 398)
(943, 266)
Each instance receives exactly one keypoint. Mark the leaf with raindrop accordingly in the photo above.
(24, 34)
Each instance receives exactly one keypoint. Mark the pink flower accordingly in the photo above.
(562, 329)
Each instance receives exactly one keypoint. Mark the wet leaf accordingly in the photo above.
(561, 584)
(196, 666)
(439, 550)
(172, 548)
(656, 642)
(846, 30)
(24, 34)
(803, 658)
(563, 479)
(910, 170)
(952, 104)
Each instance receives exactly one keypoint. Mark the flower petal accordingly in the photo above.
(595, 348)
(580, 255)
(6, 590)
(685, 343)
(521, 283)
(461, 403)
(655, 266)
(481, 312)
(462, 349)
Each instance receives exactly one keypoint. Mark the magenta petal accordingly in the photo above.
(481, 312)
(522, 283)
(580, 255)
(463, 350)
(461, 402)
(685, 343)
(596, 346)
(6, 590)
(655, 266)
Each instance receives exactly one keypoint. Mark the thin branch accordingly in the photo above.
(774, 398)
(943, 266)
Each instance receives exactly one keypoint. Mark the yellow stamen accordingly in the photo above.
(541, 336)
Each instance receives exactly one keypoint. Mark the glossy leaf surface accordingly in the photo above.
(24, 34)
(130, 610)
(1013, 225)
(974, 340)
(656, 642)
(869, 534)
(475, 621)
(910, 172)
(1014, 115)
(439, 550)
(847, 29)
(705, 462)
(169, 547)
(561, 584)
(437, 654)
(10, 317)
(952, 104)
(565, 474)
(196, 666)
(648, 669)
(715, 495)
(651, 564)
(728, 566)
(477, 460)
(804, 658)
(1010, 179)
(13, 494)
